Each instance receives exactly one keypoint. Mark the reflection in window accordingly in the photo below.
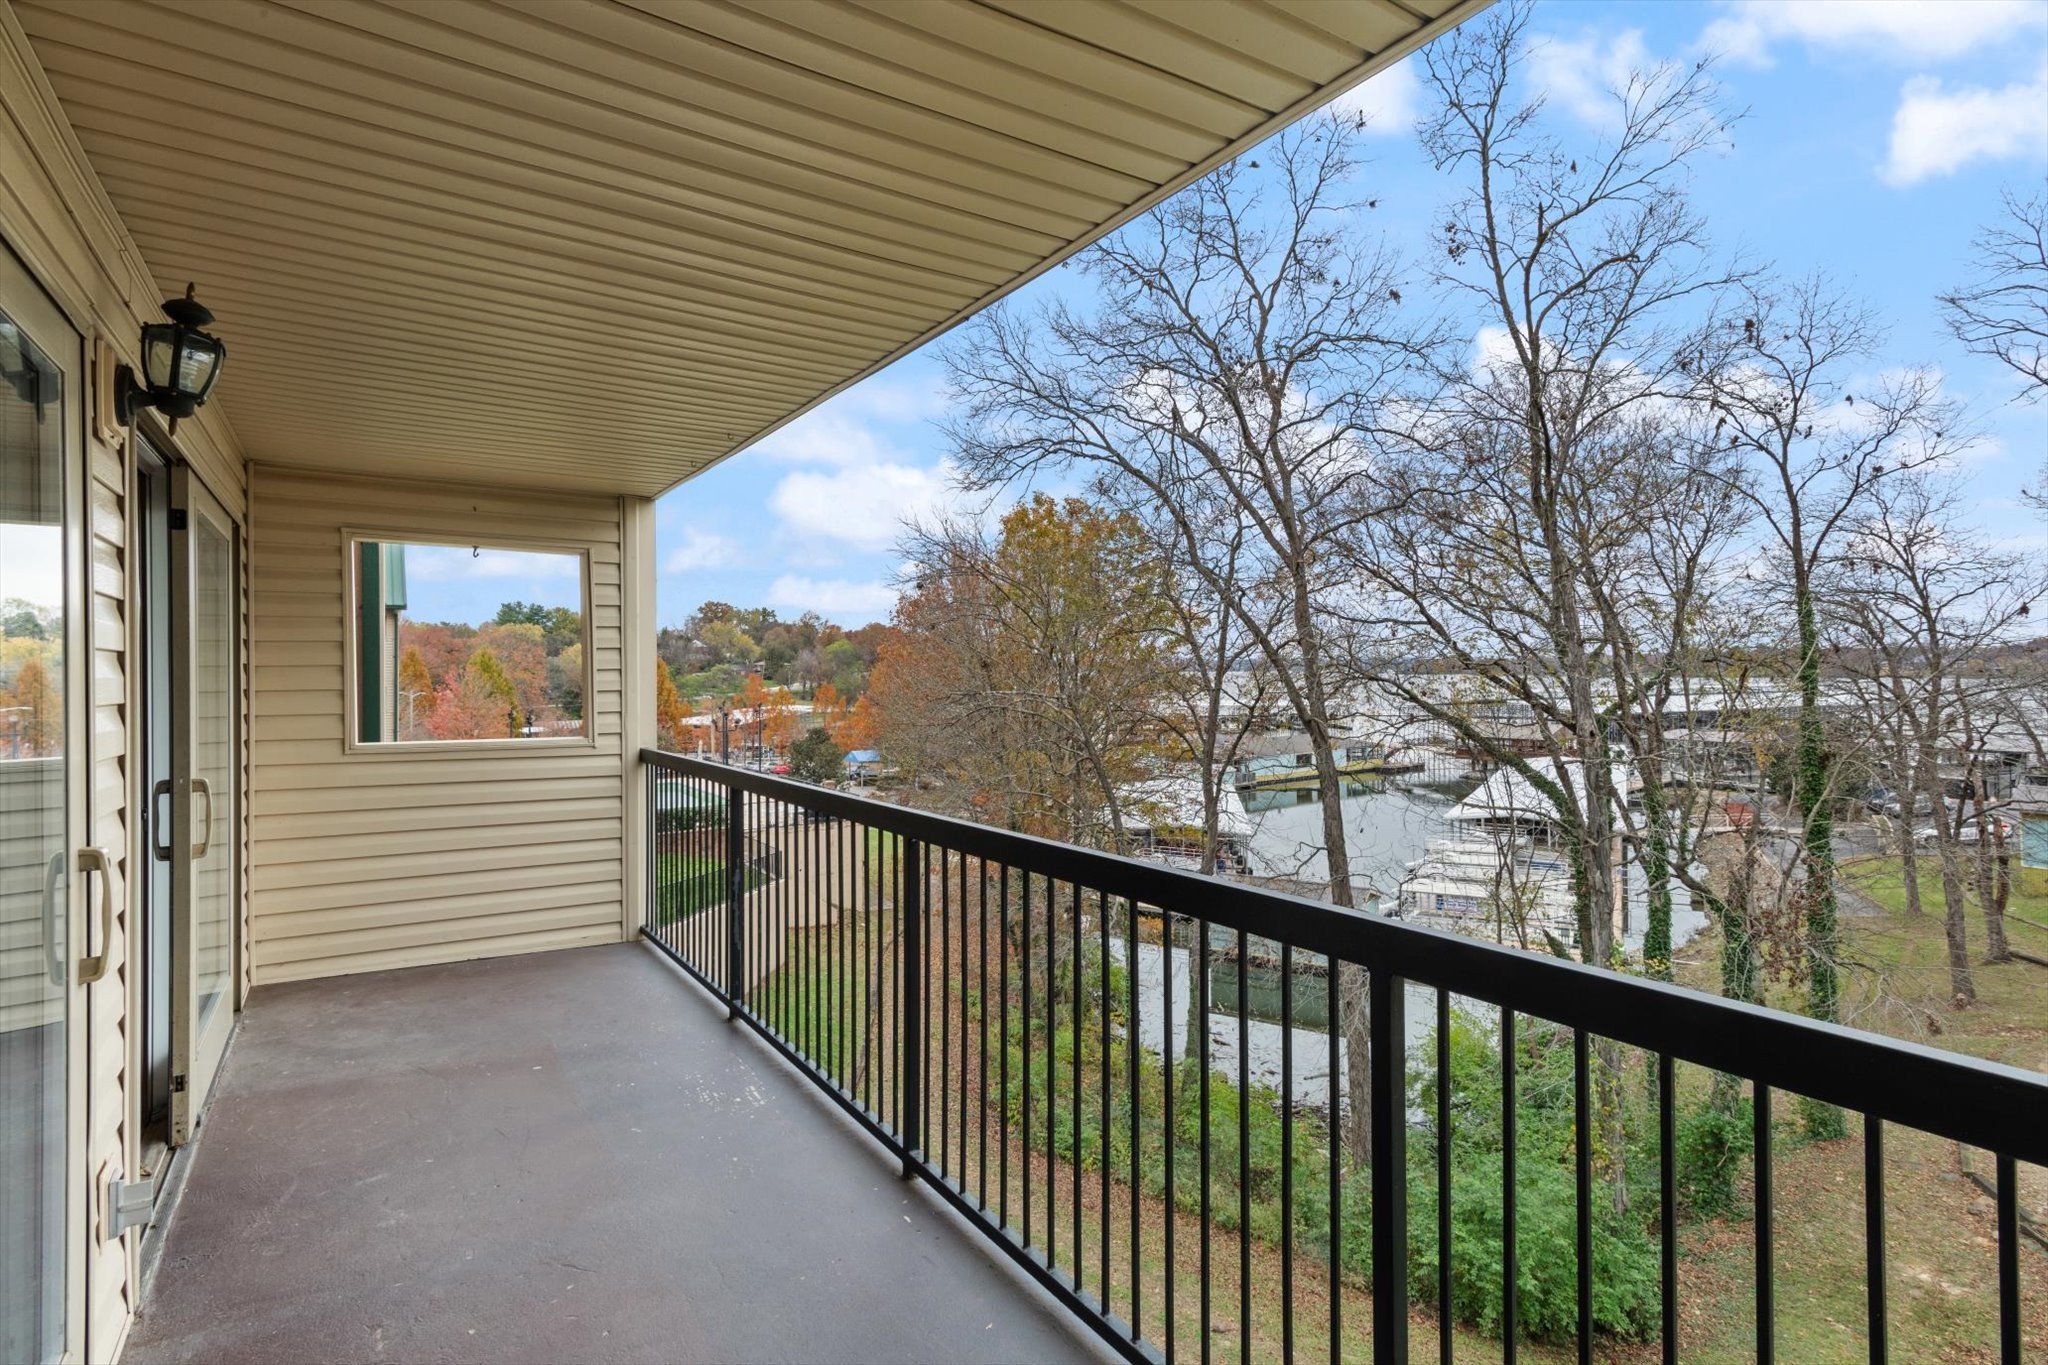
(467, 643)
(31, 551)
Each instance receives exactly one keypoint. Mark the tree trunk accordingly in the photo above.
(1656, 867)
(1962, 983)
(1817, 825)
(1909, 856)
(1996, 949)
(1351, 978)
(1823, 934)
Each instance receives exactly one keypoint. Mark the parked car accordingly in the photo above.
(1923, 804)
(1971, 832)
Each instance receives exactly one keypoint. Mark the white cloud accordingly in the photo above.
(838, 599)
(1581, 75)
(840, 431)
(894, 399)
(831, 437)
(865, 506)
(1905, 31)
(700, 550)
(32, 565)
(1937, 131)
(1390, 100)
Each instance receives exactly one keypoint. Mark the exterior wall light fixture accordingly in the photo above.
(180, 362)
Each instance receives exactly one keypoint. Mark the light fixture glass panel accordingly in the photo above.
(159, 348)
(197, 361)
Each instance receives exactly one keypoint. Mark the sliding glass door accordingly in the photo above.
(203, 821)
(41, 827)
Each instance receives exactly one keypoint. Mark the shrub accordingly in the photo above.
(675, 819)
(1711, 1144)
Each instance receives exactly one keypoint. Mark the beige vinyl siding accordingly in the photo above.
(55, 215)
(397, 857)
(113, 1000)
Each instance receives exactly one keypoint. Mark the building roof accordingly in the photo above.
(1507, 795)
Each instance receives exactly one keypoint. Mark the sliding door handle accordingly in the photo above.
(53, 919)
(159, 829)
(91, 860)
(200, 788)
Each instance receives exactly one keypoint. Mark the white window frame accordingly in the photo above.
(352, 538)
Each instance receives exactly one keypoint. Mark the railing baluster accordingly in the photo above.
(896, 962)
(1170, 1069)
(1024, 957)
(1766, 1338)
(981, 1073)
(735, 895)
(1582, 1186)
(945, 1002)
(1509, 1250)
(1286, 1150)
(1445, 1337)
(1074, 1112)
(911, 1105)
(1333, 1010)
(1052, 1080)
(1873, 1238)
(1103, 1276)
(1388, 1068)
(1667, 1199)
(1244, 1150)
(1203, 1002)
(1003, 1047)
(921, 869)
(837, 887)
(2008, 1260)
(1133, 1042)
(966, 1026)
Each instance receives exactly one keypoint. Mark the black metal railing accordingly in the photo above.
(1139, 1083)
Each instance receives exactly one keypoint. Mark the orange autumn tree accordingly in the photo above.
(1026, 680)
(416, 693)
(669, 711)
(36, 710)
(859, 730)
(479, 702)
(780, 721)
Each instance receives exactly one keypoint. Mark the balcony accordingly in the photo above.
(563, 1156)
(868, 1090)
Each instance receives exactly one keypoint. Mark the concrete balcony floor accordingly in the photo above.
(565, 1157)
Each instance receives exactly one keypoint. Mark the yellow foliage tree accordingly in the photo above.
(35, 709)
(669, 711)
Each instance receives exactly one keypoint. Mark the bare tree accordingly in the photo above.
(2002, 311)
(1921, 599)
(1659, 601)
(1215, 694)
(1775, 378)
(1244, 345)
(1528, 476)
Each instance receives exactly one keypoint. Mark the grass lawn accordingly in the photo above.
(1897, 979)
(688, 882)
(1941, 1235)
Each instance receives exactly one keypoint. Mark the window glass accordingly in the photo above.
(468, 643)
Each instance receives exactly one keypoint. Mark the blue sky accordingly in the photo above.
(1878, 136)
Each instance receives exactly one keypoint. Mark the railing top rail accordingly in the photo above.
(1951, 1095)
